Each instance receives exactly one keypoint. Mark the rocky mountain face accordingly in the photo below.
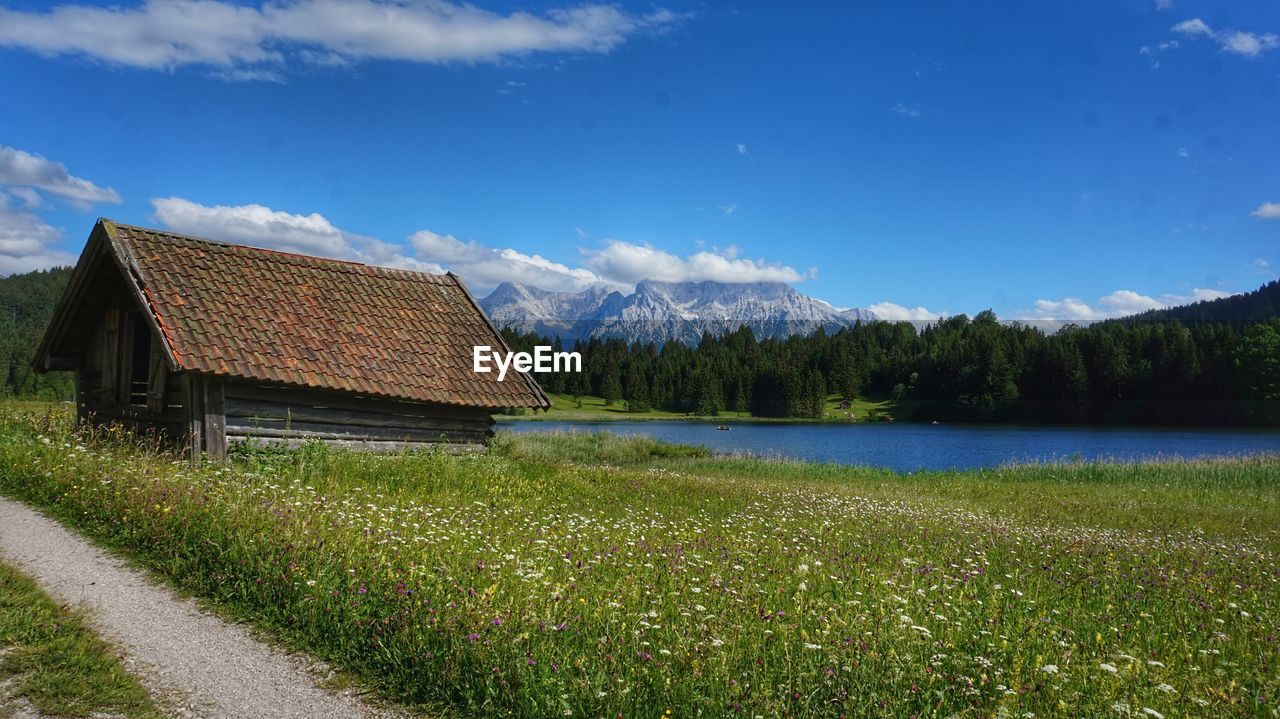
(661, 311)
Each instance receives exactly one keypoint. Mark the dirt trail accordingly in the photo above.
(210, 668)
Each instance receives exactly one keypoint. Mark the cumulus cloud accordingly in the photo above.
(625, 263)
(1267, 211)
(891, 312)
(26, 181)
(249, 41)
(261, 226)
(614, 264)
(25, 241)
(26, 172)
(1239, 42)
(1117, 304)
(483, 268)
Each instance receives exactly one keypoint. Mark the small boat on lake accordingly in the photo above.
(723, 428)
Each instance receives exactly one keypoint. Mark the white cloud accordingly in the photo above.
(624, 263)
(891, 312)
(1164, 5)
(1249, 44)
(24, 170)
(1184, 153)
(1267, 211)
(1193, 27)
(255, 225)
(1154, 53)
(1260, 266)
(907, 109)
(615, 264)
(1117, 304)
(29, 197)
(25, 240)
(1246, 44)
(250, 42)
(483, 268)
(261, 226)
(728, 209)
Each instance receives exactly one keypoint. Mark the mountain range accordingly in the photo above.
(662, 311)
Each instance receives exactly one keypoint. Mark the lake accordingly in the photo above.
(909, 447)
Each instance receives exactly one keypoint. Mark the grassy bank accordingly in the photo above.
(567, 408)
(52, 660)
(584, 575)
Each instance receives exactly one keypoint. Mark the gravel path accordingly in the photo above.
(208, 667)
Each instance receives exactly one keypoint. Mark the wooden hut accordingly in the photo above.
(213, 343)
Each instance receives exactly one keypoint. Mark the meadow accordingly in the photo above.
(595, 576)
(589, 408)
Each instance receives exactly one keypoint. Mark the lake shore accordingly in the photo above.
(920, 446)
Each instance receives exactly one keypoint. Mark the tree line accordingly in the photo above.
(957, 369)
(27, 302)
(1218, 365)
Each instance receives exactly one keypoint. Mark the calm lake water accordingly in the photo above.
(907, 447)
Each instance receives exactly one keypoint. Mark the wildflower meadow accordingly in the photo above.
(597, 576)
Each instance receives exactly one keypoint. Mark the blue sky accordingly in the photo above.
(1065, 160)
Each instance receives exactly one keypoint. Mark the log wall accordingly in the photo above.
(286, 416)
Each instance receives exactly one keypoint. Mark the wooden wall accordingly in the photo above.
(104, 392)
(289, 416)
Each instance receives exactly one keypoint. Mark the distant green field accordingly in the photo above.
(588, 575)
(566, 408)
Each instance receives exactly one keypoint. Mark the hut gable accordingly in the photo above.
(239, 317)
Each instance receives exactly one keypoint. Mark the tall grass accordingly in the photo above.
(588, 575)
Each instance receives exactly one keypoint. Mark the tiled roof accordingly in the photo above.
(255, 314)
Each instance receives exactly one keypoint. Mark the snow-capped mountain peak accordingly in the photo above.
(659, 311)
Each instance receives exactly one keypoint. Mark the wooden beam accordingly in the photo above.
(195, 415)
(60, 363)
(363, 445)
(156, 378)
(110, 380)
(328, 432)
(215, 420)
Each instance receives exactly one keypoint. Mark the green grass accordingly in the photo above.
(53, 661)
(567, 408)
(588, 575)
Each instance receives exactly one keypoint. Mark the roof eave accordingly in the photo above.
(543, 401)
(69, 299)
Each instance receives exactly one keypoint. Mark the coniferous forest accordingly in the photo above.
(1142, 371)
(26, 304)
